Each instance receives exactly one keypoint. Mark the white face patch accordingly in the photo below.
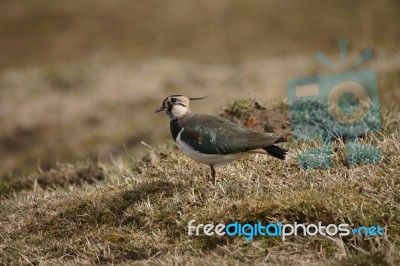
(178, 110)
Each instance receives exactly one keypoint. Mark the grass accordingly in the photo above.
(46, 32)
(80, 82)
(97, 110)
(62, 175)
(140, 211)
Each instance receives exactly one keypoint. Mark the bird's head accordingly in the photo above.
(176, 106)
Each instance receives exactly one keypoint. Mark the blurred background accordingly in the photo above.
(80, 80)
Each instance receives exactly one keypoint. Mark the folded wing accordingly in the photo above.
(216, 135)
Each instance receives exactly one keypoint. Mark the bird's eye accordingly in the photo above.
(173, 100)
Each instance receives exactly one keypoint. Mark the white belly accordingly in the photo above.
(215, 159)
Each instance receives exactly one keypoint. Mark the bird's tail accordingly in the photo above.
(276, 151)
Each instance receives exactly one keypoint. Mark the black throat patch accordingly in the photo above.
(175, 128)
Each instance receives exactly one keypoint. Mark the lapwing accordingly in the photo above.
(214, 140)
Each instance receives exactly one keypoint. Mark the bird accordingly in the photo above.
(213, 140)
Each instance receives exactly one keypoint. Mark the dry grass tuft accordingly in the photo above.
(62, 175)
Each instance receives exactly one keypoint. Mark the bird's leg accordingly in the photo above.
(212, 173)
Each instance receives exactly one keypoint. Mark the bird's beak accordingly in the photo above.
(198, 98)
(162, 108)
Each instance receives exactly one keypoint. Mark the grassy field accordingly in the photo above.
(47, 32)
(101, 110)
(79, 83)
(140, 211)
(80, 80)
